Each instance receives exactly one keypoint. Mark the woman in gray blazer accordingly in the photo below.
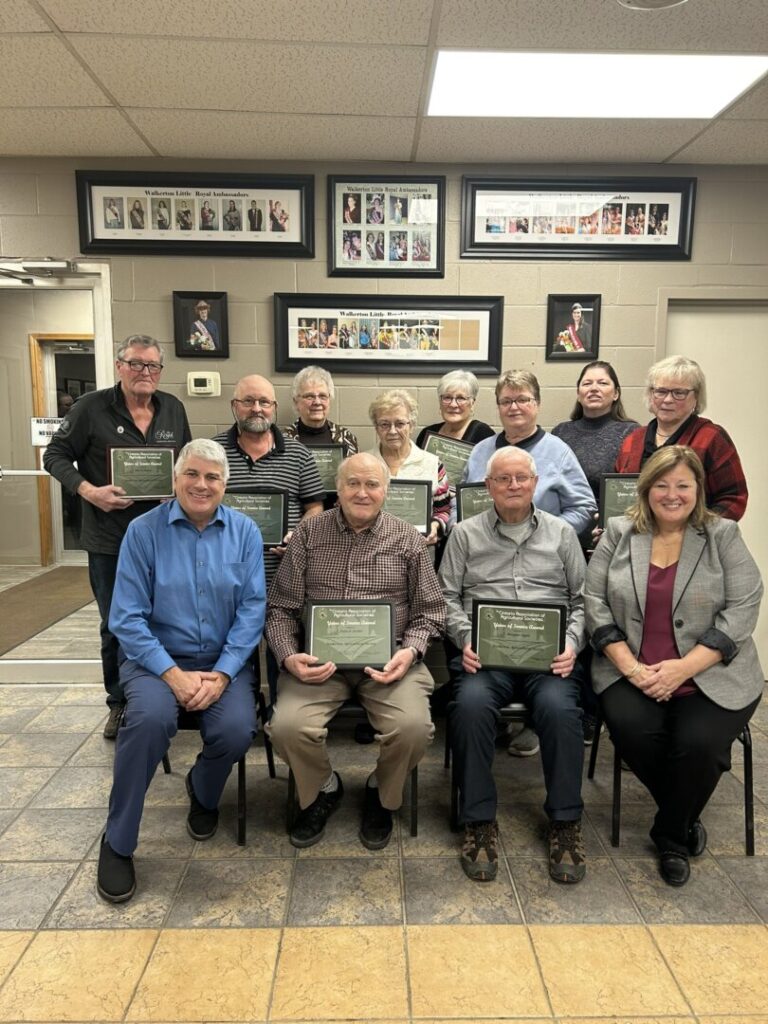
(671, 599)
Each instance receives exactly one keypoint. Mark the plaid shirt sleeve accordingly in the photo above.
(285, 603)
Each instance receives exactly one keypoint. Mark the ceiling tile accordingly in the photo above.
(343, 21)
(251, 136)
(271, 77)
(729, 142)
(39, 71)
(518, 140)
(52, 132)
(754, 106)
(699, 26)
(18, 16)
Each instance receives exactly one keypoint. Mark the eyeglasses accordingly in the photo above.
(137, 366)
(511, 478)
(310, 397)
(679, 394)
(507, 403)
(458, 399)
(388, 424)
(251, 403)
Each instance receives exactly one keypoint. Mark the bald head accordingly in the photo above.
(362, 482)
(254, 404)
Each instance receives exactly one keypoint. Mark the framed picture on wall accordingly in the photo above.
(380, 334)
(388, 226)
(573, 328)
(174, 214)
(200, 328)
(73, 387)
(572, 218)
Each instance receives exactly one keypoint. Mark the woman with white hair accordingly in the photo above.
(312, 394)
(457, 393)
(676, 393)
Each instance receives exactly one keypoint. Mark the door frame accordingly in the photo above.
(734, 294)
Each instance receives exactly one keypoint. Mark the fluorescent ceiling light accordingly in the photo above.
(474, 83)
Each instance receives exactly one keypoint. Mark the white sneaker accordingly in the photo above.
(523, 741)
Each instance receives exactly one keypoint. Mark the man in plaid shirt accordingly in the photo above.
(354, 552)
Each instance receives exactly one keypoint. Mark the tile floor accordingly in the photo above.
(336, 933)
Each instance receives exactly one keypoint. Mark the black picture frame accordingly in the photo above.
(451, 332)
(394, 228)
(526, 652)
(615, 490)
(194, 336)
(270, 514)
(573, 320)
(160, 213)
(610, 218)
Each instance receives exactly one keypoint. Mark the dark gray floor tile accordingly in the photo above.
(28, 891)
(36, 695)
(435, 838)
(82, 907)
(636, 820)
(524, 831)
(232, 894)
(599, 899)
(348, 891)
(265, 835)
(13, 719)
(58, 718)
(89, 695)
(19, 785)
(708, 898)
(750, 874)
(51, 835)
(95, 751)
(76, 787)
(438, 892)
(726, 832)
(40, 750)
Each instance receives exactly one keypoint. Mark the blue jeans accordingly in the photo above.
(555, 706)
(150, 723)
(102, 570)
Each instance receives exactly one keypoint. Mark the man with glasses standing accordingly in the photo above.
(516, 552)
(131, 414)
(259, 455)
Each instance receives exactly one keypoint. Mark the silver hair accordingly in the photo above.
(205, 449)
(459, 379)
(382, 465)
(510, 449)
(390, 399)
(685, 371)
(139, 341)
(308, 374)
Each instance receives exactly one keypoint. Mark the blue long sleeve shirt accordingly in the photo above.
(190, 594)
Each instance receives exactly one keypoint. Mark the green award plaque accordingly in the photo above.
(471, 500)
(328, 458)
(145, 473)
(618, 491)
(267, 508)
(453, 454)
(411, 500)
(520, 636)
(351, 634)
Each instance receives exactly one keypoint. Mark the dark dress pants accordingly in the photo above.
(555, 707)
(101, 572)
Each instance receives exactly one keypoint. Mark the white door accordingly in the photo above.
(730, 343)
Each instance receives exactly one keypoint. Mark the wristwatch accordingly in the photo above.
(416, 655)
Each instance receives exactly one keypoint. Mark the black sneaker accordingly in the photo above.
(116, 878)
(480, 854)
(201, 823)
(588, 727)
(567, 856)
(376, 826)
(114, 721)
(309, 826)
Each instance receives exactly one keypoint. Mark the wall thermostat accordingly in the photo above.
(204, 384)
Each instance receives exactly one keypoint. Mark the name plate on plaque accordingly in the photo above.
(618, 491)
(471, 500)
(328, 458)
(411, 501)
(267, 508)
(519, 636)
(351, 634)
(144, 473)
(453, 453)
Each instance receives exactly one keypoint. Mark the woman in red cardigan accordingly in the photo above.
(676, 395)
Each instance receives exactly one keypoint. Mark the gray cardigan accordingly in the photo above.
(715, 602)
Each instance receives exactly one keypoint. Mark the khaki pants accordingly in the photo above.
(399, 714)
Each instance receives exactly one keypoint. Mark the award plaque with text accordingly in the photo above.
(519, 636)
(267, 508)
(617, 492)
(410, 500)
(452, 453)
(471, 500)
(328, 458)
(351, 634)
(144, 473)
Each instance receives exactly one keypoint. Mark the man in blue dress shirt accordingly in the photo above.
(188, 611)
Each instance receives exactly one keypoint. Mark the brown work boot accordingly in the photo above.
(479, 854)
(567, 856)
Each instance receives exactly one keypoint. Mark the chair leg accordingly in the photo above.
(264, 717)
(595, 744)
(616, 809)
(166, 764)
(454, 800)
(241, 801)
(290, 815)
(749, 796)
(415, 801)
(447, 755)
